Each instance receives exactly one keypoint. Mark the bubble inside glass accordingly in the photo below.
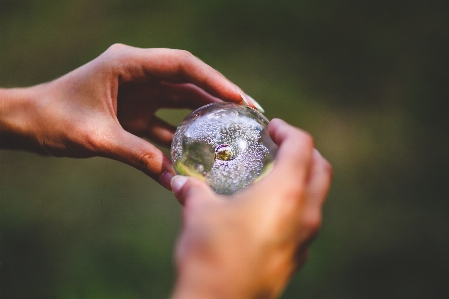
(226, 145)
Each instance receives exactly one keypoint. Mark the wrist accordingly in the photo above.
(218, 279)
(203, 283)
(234, 274)
(17, 107)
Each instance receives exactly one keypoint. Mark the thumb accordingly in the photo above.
(139, 153)
(191, 191)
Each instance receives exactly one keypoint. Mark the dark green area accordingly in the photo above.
(368, 79)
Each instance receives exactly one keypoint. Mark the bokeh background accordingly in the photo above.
(367, 78)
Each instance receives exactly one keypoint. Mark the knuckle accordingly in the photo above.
(117, 54)
(95, 140)
(117, 47)
(191, 187)
(327, 167)
(325, 170)
(306, 139)
(184, 54)
(144, 161)
(294, 190)
(185, 58)
(300, 134)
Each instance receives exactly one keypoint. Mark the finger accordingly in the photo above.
(186, 95)
(154, 128)
(294, 155)
(191, 192)
(171, 65)
(160, 131)
(151, 96)
(317, 188)
(284, 187)
(319, 180)
(132, 150)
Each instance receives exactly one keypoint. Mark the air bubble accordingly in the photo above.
(226, 145)
(199, 168)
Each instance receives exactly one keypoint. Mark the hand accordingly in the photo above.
(101, 108)
(248, 245)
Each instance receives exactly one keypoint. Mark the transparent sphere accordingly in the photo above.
(226, 145)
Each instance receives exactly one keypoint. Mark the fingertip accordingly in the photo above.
(177, 182)
(294, 154)
(189, 190)
(277, 120)
(255, 104)
(232, 93)
(281, 131)
(277, 128)
(275, 123)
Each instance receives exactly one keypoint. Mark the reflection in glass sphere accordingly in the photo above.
(226, 145)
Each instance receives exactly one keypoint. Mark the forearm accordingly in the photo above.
(17, 106)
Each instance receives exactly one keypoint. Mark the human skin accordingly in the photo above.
(243, 246)
(250, 244)
(104, 107)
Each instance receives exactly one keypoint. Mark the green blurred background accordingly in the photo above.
(367, 79)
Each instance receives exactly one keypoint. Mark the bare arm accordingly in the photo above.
(249, 245)
(245, 246)
(104, 107)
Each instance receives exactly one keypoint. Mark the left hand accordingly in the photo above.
(105, 106)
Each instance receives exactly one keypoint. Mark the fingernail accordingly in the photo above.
(257, 105)
(244, 99)
(177, 182)
(165, 179)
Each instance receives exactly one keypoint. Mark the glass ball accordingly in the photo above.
(224, 144)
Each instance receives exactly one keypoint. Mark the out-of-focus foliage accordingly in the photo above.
(367, 79)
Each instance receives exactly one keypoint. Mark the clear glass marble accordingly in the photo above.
(225, 144)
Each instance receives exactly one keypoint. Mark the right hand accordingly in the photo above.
(249, 245)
